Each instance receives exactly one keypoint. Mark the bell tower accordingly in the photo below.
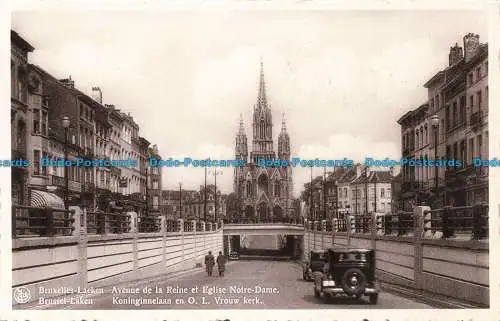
(262, 143)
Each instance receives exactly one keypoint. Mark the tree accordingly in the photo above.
(234, 207)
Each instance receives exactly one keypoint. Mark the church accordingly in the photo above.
(265, 192)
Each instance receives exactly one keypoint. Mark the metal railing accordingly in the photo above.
(36, 221)
(104, 223)
(463, 221)
(149, 224)
(466, 222)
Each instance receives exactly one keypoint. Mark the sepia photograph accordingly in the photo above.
(250, 160)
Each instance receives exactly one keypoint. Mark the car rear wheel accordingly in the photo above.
(374, 298)
(353, 282)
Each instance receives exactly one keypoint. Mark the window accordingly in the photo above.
(486, 68)
(478, 73)
(155, 202)
(479, 99)
(36, 162)
(155, 184)
(44, 168)
(36, 121)
(12, 78)
(426, 135)
(437, 102)
(479, 145)
(383, 207)
(471, 148)
(345, 191)
(470, 79)
(276, 189)
(44, 122)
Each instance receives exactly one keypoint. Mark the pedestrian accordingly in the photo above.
(221, 263)
(209, 263)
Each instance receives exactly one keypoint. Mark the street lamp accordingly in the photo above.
(180, 199)
(65, 124)
(215, 172)
(435, 125)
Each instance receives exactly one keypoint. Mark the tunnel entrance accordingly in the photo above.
(270, 247)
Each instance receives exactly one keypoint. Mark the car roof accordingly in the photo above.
(346, 249)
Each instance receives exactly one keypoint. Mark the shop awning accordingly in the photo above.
(46, 199)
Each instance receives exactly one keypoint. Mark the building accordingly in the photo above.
(114, 148)
(78, 141)
(416, 142)
(371, 192)
(154, 179)
(344, 191)
(458, 100)
(266, 192)
(20, 129)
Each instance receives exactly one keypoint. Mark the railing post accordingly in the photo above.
(50, 222)
(373, 230)
(480, 223)
(135, 245)
(448, 230)
(81, 232)
(349, 228)
(203, 226)
(419, 218)
(334, 229)
(101, 222)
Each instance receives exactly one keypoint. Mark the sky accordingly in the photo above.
(343, 78)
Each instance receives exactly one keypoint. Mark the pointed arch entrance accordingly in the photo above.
(263, 212)
(277, 213)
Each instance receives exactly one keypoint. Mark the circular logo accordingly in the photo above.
(22, 295)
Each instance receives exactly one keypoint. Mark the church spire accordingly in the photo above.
(283, 141)
(262, 99)
(241, 130)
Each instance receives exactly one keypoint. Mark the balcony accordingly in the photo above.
(88, 153)
(18, 154)
(476, 119)
(88, 187)
(57, 181)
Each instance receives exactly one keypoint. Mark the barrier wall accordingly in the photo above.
(62, 264)
(456, 268)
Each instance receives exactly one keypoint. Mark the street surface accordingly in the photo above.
(246, 285)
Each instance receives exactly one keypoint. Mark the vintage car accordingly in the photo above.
(234, 255)
(348, 272)
(317, 261)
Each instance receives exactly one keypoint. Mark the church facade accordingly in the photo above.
(265, 192)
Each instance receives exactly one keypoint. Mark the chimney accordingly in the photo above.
(359, 170)
(471, 44)
(456, 54)
(97, 94)
(68, 82)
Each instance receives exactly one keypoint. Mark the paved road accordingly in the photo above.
(275, 284)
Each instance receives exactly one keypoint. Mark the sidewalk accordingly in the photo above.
(436, 300)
